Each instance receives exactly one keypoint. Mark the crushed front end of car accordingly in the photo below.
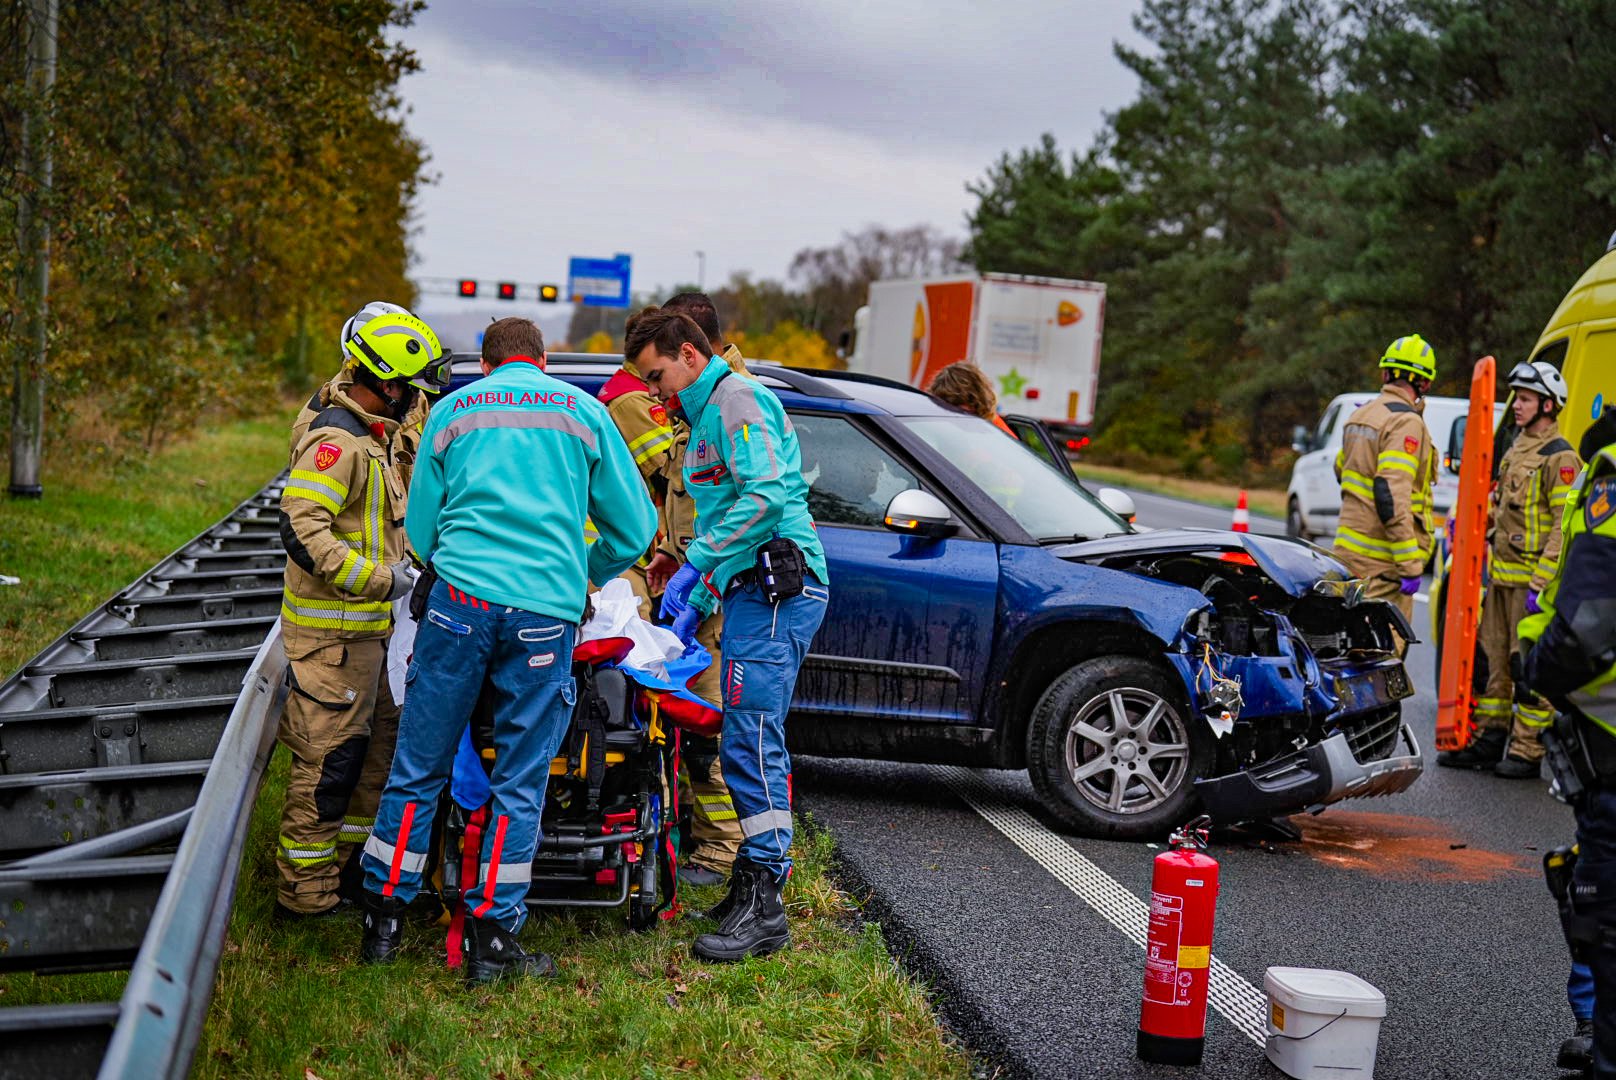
(1298, 675)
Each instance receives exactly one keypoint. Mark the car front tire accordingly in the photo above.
(1113, 750)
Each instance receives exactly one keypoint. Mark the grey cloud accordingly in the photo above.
(948, 73)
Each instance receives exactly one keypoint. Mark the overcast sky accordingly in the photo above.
(746, 130)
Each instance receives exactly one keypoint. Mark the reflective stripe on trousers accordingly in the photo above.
(763, 647)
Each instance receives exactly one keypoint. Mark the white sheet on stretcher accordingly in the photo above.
(616, 615)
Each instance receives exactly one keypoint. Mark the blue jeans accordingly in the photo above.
(527, 660)
(763, 646)
(1580, 991)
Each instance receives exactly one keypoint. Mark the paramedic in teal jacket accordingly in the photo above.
(509, 469)
(744, 470)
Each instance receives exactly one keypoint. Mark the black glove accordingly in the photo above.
(422, 593)
(1517, 673)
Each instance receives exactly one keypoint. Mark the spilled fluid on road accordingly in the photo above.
(1405, 847)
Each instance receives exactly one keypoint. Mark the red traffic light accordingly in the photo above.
(549, 294)
(507, 290)
(468, 287)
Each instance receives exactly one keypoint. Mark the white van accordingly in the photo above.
(1313, 503)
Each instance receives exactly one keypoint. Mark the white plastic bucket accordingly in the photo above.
(1322, 1025)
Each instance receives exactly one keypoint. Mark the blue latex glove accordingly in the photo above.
(1532, 606)
(676, 597)
(685, 625)
(1410, 585)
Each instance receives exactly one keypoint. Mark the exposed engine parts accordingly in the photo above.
(1223, 698)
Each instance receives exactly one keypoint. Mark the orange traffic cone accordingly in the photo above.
(1242, 516)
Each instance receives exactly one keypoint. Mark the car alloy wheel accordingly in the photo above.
(1127, 751)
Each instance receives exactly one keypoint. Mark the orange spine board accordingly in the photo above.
(1456, 688)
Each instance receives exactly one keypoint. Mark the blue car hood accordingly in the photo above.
(1294, 565)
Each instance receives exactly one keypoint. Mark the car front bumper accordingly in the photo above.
(1310, 779)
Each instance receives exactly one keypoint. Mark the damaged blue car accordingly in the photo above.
(988, 610)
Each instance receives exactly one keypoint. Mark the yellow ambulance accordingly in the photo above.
(1580, 340)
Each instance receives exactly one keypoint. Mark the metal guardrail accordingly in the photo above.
(166, 1000)
(155, 712)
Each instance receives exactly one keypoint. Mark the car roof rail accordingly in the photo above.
(872, 380)
(807, 383)
(803, 382)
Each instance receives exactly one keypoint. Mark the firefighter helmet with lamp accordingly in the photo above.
(1542, 378)
(397, 345)
(1410, 355)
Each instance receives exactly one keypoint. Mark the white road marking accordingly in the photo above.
(1243, 1004)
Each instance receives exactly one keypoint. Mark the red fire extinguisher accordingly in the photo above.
(1178, 950)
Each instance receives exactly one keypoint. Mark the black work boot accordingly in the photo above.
(699, 876)
(384, 928)
(351, 877)
(720, 911)
(1517, 768)
(1486, 749)
(756, 922)
(493, 953)
(1577, 1052)
(292, 915)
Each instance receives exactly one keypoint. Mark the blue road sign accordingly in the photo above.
(599, 282)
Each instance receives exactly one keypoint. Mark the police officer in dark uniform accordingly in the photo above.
(1572, 662)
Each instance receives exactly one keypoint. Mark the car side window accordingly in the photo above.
(1554, 352)
(1326, 427)
(850, 479)
(1033, 439)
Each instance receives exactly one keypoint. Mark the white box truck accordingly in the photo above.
(1037, 338)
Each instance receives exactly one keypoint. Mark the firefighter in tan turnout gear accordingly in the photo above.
(1386, 466)
(342, 523)
(1535, 477)
(658, 445)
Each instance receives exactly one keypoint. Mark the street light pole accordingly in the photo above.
(701, 270)
(33, 227)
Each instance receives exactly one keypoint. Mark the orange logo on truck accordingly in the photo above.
(1068, 314)
(917, 344)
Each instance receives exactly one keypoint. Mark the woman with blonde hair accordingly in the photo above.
(965, 386)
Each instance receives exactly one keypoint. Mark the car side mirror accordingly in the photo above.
(1119, 503)
(1301, 440)
(919, 513)
(1456, 440)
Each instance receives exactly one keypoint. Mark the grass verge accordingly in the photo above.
(292, 1001)
(1269, 501)
(97, 529)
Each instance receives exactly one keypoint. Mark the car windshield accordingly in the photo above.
(1047, 503)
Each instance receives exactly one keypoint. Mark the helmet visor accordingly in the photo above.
(434, 378)
(1526, 376)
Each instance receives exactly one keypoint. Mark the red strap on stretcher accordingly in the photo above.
(471, 853)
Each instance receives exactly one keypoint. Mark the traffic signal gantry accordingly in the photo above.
(468, 288)
(590, 282)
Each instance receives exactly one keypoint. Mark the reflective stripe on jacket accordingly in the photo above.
(1386, 467)
(510, 468)
(340, 519)
(1572, 659)
(743, 468)
(1534, 479)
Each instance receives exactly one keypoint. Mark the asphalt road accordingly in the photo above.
(1435, 896)
(1161, 512)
